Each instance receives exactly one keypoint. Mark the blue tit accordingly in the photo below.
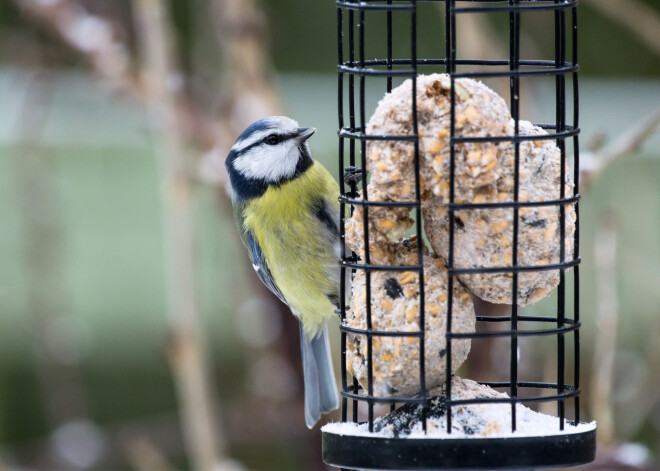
(287, 211)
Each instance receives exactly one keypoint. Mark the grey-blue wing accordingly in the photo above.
(261, 266)
(328, 217)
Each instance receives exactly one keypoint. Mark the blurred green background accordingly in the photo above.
(84, 329)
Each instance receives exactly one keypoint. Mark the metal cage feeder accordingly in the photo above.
(368, 451)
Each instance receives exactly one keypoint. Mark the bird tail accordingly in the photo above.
(318, 374)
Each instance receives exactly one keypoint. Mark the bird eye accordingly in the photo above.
(273, 139)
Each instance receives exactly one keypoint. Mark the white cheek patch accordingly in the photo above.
(269, 163)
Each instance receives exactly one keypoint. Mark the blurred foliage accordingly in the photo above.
(302, 34)
(103, 169)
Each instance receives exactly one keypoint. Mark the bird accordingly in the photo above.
(287, 211)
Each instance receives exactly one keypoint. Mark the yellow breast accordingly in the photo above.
(299, 255)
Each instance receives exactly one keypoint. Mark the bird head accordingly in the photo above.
(270, 151)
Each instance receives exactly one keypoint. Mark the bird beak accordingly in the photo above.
(305, 133)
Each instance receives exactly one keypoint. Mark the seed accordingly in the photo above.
(388, 357)
(474, 156)
(443, 132)
(376, 253)
(499, 227)
(462, 93)
(397, 347)
(407, 277)
(410, 291)
(433, 308)
(436, 146)
(489, 155)
(381, 166)
(508, 257)
(490, 166)
(442, 298)
(411, 313)
(472, 114)
(386, 304)
(387, 224)
(537, 294)
(549, 232)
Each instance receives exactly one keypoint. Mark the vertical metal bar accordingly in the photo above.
(363, 156)
(389, 46)
(450, 41)
(351, 123)
(514, 65)
(560, 102)
(342, 206)
(389, 87)
(576, 242)
(418, 213)
(342, 236)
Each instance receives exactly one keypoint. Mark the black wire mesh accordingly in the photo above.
(353, 66)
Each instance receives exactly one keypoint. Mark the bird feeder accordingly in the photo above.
(455, 197)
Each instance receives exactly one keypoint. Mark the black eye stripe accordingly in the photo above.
(283, 137)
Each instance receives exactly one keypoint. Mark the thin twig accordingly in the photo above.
(607, 320)
(98, 42)
(248, 91)
(642, 20)
(204, 442)
(95, 39)
(593, 164)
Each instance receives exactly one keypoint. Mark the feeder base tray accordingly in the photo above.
(407, 454)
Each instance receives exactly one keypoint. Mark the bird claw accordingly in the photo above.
(352, 175)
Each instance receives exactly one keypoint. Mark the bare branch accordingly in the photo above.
(607, 320)
(98, 42)
(642, 20)
(248, 89)
(204, 441)
(94, 38)
(593, 164)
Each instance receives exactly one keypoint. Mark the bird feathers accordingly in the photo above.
(291, 228)
(320, 389)
(261, 266)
